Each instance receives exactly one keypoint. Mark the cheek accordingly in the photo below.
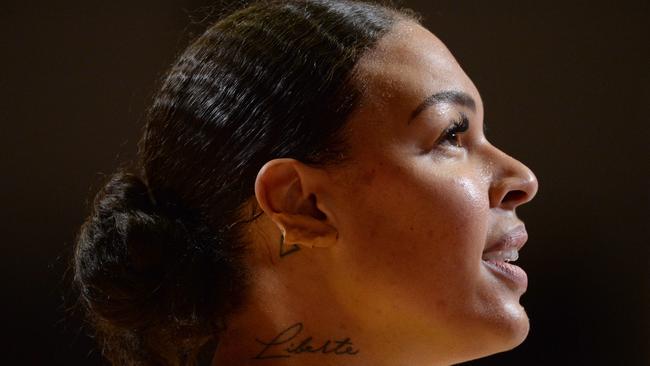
(406, 224)
(410, 251)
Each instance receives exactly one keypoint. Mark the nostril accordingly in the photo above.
(515, 196)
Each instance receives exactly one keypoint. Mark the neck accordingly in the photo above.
(279, 328)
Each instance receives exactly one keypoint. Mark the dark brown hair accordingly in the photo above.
(158, 262)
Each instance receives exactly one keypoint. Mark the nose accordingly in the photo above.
(513, 183)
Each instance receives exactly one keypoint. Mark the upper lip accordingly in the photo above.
(511, 239)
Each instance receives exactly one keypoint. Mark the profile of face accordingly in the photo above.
(407, 241)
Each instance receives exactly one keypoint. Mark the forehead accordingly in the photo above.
(405, 67)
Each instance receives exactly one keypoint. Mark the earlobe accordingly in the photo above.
(306, 231)
(287, 191)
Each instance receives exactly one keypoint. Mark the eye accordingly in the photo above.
(451, 135)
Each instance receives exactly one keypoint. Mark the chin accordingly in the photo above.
(499, 339)
(500, 332)
(512, 331)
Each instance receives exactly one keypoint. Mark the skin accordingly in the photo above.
(383, 253)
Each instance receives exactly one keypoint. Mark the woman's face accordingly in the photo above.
(423, 200)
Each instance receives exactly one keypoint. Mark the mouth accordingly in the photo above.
(501, 252)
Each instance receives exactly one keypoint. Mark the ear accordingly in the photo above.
(291, 194)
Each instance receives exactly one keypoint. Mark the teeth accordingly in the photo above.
(509, 255)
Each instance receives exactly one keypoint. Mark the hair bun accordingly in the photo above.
(142, 266)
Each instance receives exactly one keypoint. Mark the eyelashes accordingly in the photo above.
(451, 135)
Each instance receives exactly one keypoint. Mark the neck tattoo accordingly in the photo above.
(287, 344)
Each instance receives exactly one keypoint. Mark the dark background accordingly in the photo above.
(566, 90)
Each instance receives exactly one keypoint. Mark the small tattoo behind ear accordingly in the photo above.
(284, 251)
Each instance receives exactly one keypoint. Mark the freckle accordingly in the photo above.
(367, 177)
(411, 228)
(373, 232)
(441, 303)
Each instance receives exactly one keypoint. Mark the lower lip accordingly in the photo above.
(510, 272)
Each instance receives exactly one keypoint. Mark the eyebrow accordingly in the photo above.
(448, 96)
